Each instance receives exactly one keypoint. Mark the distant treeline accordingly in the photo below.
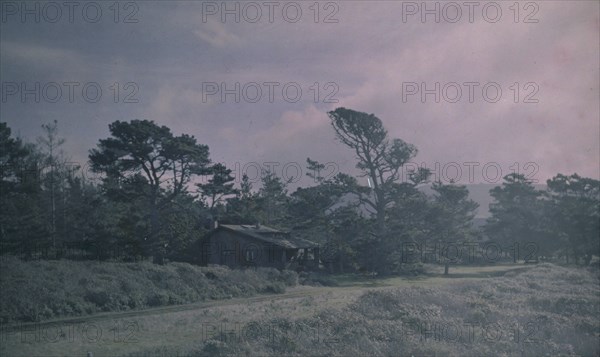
(147, 202)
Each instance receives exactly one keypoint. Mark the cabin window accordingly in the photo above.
(250, 255)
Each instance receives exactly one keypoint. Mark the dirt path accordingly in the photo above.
(296, 292)
(175, 330)
(292, 293)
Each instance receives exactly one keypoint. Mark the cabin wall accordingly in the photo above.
(237, 250)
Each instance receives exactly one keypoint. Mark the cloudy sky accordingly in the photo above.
(178, 63)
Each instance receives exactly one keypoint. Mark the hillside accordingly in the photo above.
(541, 310)
(42, 290)
(547, 310)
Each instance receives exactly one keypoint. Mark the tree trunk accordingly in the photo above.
(153, 241)
(380, 258)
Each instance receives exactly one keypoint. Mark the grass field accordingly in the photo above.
(502, 310)
(44, 290)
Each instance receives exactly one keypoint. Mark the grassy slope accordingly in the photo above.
(41, 290)
(556, 309)
(545, 310)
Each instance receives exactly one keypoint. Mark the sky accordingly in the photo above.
(482, 90)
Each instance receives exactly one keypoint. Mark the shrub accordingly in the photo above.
(159, 298)
(277, 288)
(40, 290)
(317, 279)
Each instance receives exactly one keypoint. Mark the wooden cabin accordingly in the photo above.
(257, 246)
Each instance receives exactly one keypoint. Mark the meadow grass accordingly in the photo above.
(42, 290)
(543, 310)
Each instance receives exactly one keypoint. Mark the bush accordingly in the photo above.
(290, 278)
(40, 290)
(160, 298)
(317, 279)
(277, 288)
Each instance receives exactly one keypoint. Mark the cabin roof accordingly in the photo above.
(268, 235)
